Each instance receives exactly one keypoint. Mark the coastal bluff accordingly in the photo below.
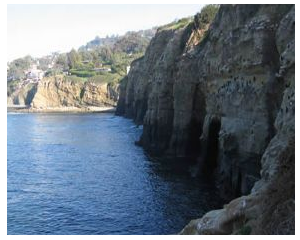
(60, 94)
(223, 94)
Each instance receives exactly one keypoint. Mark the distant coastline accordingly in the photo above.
(90, 109)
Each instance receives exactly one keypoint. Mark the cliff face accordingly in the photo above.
(57, 92)
(22, 95)
(135, 88)
(225, 97)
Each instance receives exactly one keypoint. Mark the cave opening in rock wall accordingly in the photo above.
(212, 151)
(194, 145)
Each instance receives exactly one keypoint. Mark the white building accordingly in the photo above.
(34, 73)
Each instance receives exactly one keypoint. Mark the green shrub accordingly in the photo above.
(176, 24)
(53, 72)
(206, 16)
(11, 86)
(181, 23)
(82, 73)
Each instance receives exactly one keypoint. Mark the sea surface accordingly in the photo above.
(83, 174)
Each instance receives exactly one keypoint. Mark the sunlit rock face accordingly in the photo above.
(225, 97)
(57, 92)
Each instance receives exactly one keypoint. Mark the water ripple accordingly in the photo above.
(82, 174)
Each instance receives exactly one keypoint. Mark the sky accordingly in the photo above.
(38, 30)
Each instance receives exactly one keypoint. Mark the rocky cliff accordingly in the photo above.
(20, 94)
(223, 94)
(58, 92)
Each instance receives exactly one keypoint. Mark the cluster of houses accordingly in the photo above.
(33, 74)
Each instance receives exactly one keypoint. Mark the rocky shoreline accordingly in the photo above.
(57, 94)
(90, 109)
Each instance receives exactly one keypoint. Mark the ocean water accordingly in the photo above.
(83, 174)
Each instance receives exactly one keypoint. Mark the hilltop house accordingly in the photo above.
(34, 74)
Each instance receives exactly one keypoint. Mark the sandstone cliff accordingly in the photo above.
(58, 92)
(224, 96)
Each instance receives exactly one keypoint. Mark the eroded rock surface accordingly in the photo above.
(57, 92)
(22, 95)
(225, 96)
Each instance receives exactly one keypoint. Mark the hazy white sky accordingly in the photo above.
(40, 29)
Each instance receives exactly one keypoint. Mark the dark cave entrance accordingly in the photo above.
(194, 144)
(212, 150)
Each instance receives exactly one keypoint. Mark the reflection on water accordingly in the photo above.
(82, 174)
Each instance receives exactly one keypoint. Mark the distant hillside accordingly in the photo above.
(97, 42)
(101, 58)
(110, 41)
(93, 71)
(131, 42)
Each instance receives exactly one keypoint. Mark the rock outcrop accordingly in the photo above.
(58, 92)
(224, 95)
(22, 95)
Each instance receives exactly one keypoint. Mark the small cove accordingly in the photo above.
(83, 174)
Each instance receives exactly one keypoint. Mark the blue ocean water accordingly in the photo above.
(82, 174)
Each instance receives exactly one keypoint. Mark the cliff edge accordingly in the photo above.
(223, 94)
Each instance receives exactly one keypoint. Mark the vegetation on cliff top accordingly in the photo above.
(206, 16)
(98, 59)
(18, 67)
(98, 79)
(201, 19)
(177, 24)
(102, 58)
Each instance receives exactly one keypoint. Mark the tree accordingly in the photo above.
(62, 62)
(105, 53)
(85, 55)
(18, 67)
(73, 59)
